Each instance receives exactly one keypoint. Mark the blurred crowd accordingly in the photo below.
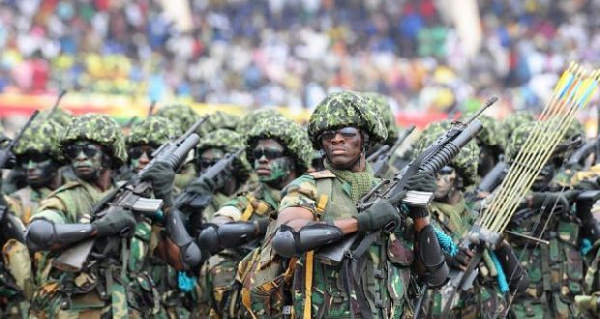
(293, 52)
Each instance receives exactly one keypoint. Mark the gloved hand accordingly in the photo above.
(115, 221)
(460, 260)
(377, 216)
(422, 182)
(161, 175)
(204, 185)
(589, 305)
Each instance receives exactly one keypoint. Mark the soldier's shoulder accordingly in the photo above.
(68, 186)
(322, 174)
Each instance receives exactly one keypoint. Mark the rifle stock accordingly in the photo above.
(129, 196)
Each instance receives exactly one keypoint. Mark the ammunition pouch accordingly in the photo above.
(190, 254)
(232, 235)
(209, 239)
(43, 234)
(517, 277)
(288, 243)
(430, 261)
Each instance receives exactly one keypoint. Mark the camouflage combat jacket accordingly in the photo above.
(26, 201)
(322, 289)
(112, 284)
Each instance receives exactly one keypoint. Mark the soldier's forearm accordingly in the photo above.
(46, 235)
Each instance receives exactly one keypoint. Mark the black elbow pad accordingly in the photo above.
(288, 243)
(208, 240)
(518, 279)
(430, 261)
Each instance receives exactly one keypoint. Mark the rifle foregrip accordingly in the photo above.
(441, 158)
(175, 158)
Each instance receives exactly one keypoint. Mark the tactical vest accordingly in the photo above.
(370, 284)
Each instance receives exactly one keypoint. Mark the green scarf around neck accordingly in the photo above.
(360, 182)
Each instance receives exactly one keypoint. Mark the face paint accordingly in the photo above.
(208, 158)
(446, 179)
(85, 167)
(272, 165)
(40, 171)
(140, 156)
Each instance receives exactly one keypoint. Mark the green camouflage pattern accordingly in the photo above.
(346, 108)
(154, 130)
(59, 115)
(42, 136)
(288, 133)
(328, 297)
(382, 104)
(467, 160)
(515, 120)
(99, 129)
(492, 133)
(246, 123)
(219, 120)
(182, 115)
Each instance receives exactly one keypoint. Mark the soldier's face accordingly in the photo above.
(545, 177)
(270, 162)
(342, 146)
(140, 156)
(208, 158)
(86, 159)
(39, 167)
(446, 179)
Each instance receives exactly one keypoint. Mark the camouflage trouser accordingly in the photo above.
(221, 272)
(550, 305)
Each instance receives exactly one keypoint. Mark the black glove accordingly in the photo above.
(377, 216)
(422, 182)
(115, 221)
(203, 185)
(161, 175)
(460, 260)
(550, 199)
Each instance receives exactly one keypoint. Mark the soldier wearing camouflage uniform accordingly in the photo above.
(38, 155)
(113, 282)
(455, 215)
(555, 270)
(319, 209)
(491, 141)
(280, 151)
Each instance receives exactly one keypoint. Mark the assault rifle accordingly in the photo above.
(434, 158)
(493, 178)
(56, 104)
(132, 196)
(191, 201)
(381, 157)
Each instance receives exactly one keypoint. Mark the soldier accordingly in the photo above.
(318, 209)
(113, 281)
(219, 120)
(38, 155)
(491, 141)
(280, 151)
(515, 120)
(455, 215)
(556, 270)
(145, 137)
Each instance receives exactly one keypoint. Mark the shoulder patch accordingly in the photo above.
(322, 174)
(65, 186)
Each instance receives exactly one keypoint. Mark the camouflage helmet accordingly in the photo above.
(521, 133)
(219, 120)
(515, 120)
(100, 129)
(382, 105)
(182, 115)
(153, 130)
(58, 115)
(289, 134)
(492, 134)
(467, 160)
(229, 141)
(346, 108)
(250, 120)
(42, 136)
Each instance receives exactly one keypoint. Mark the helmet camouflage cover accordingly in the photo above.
(182, 115)
(229, 141)
(289, 134)
(346, 108)
(250, 120)
(515, 120)
(467, 160)
(42, 136)
(219, 120)
(382, 105)
(58, 115)
(153, 130)
(99, 129)
(492, 133)
(521, 133)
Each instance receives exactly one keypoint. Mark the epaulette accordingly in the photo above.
(65, 186)
(322, 174)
